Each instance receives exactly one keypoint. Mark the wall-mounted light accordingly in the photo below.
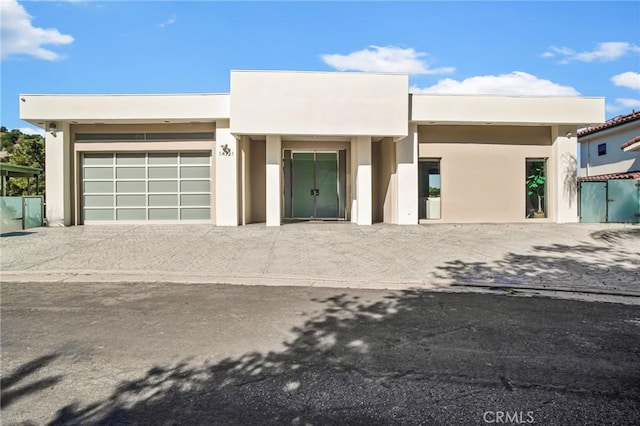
(52, 127)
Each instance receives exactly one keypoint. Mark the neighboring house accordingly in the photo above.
(310, 145)
(610, 170)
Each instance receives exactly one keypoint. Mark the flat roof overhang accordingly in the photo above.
(505, 110)
(123, 109)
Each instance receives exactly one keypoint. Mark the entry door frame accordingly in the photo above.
(289, 215)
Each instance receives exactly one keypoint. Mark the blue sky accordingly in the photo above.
(523, 48)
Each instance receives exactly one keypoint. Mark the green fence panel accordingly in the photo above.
(32, 212)
(623, 200)
(593, 202)
(10, 214)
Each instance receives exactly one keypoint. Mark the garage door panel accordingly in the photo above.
(131, 158)
(98, 214)
(98, 173)
(131, 200)
(195, 213)
(146, 186)
(163, 158)
(163, 172)
(195, 186)
(98, 159)
(98, 187)
(162, 200)
(163, 186)
(98, 200)
(195, 172)
(163, 214)
(130, 173)
(131, 214)
(130, 186)
(194, 159)
(197, 200)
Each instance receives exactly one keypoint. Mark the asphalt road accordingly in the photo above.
(213, 354)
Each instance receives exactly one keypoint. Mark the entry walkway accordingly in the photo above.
(597, 259)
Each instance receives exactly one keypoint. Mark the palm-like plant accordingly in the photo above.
(535, 182)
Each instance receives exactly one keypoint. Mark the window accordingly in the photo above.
(190, 136)
(602, 149)
(429, 188)
(536, 188)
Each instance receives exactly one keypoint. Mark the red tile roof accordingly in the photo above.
(627, 175)
(634, 115)
(631, 142)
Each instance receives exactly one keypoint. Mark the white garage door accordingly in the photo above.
(160, 187)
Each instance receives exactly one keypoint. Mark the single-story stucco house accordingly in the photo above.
(310, 145)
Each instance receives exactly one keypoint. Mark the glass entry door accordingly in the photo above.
(313, 185)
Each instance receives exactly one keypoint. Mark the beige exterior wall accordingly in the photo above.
(384, 181)
(258, 180)
(318, 103)
(483, 169)
(77, 148)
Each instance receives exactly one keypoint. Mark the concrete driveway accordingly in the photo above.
(596, 259)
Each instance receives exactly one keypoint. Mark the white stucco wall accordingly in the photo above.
(274, 181)
(563, 162)
(363, 179)
(615, 160)
(58, 177)
(318, 103)
(226, 180)
(407, 178)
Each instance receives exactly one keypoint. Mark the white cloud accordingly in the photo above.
(622, 104)
(628, 102)
(20, 37)
(31, 131)
(169, 21)
(628, 79)
(603, 52)
(515, 83)
(384, 59)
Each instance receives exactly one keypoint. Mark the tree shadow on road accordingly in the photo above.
(409, 357)
(13, 387)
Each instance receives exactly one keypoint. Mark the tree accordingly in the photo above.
(24, 150)
(9, 139)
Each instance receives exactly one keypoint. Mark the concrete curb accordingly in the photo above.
(114, 277)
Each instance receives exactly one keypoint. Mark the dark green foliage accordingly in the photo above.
(24, 150)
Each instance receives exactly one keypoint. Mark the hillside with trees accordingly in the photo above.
(22, 150)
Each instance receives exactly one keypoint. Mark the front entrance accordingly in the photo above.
(315, 184)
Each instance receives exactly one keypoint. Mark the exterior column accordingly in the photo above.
(245, 176)
(274, 166)
(226, 175)
(407, 177)
(363, 187)
(58, 172)
(563, 173)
